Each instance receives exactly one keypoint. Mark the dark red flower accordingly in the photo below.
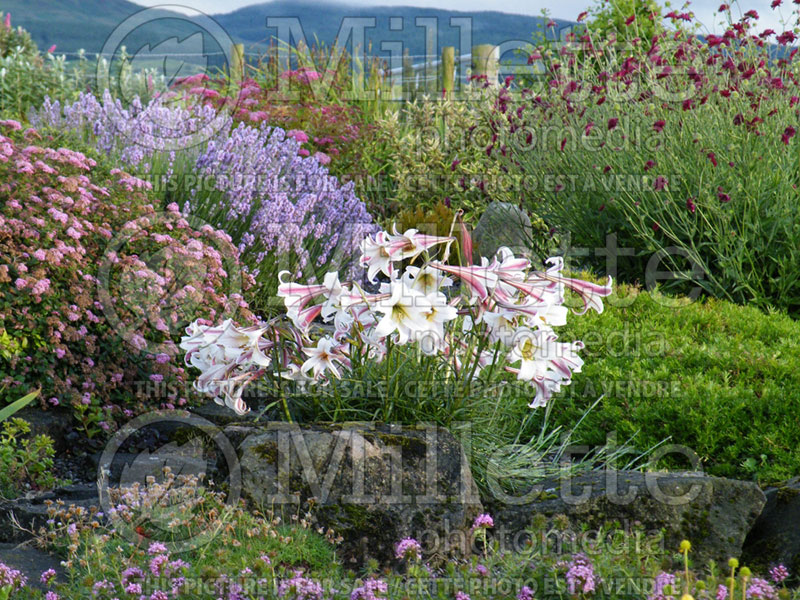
(787, 37)
(690, 205)
(612, 123)
(687, 104)
(582, 16)
(752, 14)
(723, 197)
(660, 183)
(788, 134)
(649, 165)
(630, 19)
(588, 128)
(793, 100)
(665, 72)
(713, 158)
(607, 168)
(655, 226)
(658, 126)
(775, 3)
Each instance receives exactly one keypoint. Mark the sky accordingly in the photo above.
(706, 10)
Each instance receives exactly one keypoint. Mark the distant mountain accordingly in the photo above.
(75, 24)
(322, 21)
(78, 24)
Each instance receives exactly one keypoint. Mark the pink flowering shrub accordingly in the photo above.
(94, 283)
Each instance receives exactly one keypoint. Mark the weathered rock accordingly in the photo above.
(20, 516)
(715, 514)
(503, 224)
(775, 537)
(54, 422)
(372, 484)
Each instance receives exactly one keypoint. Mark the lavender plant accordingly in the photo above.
(284, 211)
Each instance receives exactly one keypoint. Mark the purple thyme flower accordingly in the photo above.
(778, 573)
(662, 580)
(525, 593)
(760, 589)
(580, 575)
(408, 548)
(483, 521)
(370, 590)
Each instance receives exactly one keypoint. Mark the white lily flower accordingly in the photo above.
(404, 311)
(544, 362)
(432, 340)
(501, 324)
(324, 357)
(375, 256)
(426, 279)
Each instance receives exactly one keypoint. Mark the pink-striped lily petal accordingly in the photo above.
(478, 279)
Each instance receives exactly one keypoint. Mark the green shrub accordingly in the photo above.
(15, 39)
(611, 19)
(25, 462)
(721, 379)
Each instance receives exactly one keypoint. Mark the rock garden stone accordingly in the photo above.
(775, 537)
(502, 224)
(373, 485)
(715, 514)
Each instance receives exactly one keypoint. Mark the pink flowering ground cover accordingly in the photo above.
(94, 283)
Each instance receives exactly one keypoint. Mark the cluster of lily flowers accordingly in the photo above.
(508, 305)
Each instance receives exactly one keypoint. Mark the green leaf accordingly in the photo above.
(18, 405)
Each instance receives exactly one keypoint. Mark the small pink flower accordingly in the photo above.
(483, 521)
(300, 136)
(322, 158)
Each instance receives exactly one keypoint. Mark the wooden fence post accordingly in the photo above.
(409, 87)
(448, 70)
(237, 63)
(486, 61)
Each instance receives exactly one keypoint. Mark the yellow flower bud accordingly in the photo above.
(687, 597)
(686, 545)
(745, 572)
(733, 563)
